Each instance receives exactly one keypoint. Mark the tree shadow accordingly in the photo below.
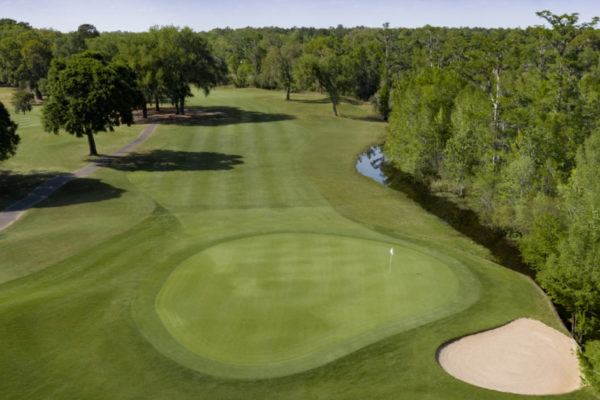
(172, 160)
(463, 220)
(327, 100)
(211, 116)
(15, 186)
(81, 190)
(45, 189)
(369, 118)
(323, 100)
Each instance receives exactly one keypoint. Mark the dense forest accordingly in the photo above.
(506, 122)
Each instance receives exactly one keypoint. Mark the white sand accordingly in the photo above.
(524, 357)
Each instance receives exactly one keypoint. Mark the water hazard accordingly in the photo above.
(369, 164)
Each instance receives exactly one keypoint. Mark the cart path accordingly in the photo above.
(9, 215)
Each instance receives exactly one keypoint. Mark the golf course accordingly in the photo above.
(238, 254)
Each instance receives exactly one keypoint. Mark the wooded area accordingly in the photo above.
(505, 121)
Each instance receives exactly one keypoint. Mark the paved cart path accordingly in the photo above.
(43, 191)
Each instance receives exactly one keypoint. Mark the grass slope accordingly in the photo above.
(88, 275)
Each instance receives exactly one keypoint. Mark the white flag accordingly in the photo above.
(392, 251)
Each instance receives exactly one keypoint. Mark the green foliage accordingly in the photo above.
(22, 101)
(572, 277)
(590, 363)
(362, 66)
(8, 136)
(542, 240)
(180, 58)
(382, 102)
(509, 120)
(280, 63)
(77, 42)
(322, 64)
(470, 124)
(420, 125)
(88, 94)
(25, 54)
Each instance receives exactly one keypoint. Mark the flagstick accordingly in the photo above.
(391, 255)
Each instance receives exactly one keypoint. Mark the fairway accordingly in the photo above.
(239, 255)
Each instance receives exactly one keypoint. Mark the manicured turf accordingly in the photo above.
(287, 302)
(210, 221)
(41, 154)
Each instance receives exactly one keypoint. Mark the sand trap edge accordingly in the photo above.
(523, 356)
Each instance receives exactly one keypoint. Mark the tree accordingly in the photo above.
(22, 100)
(185, 59)
(322, 63)
(386, 39)
(420, 123)
(87, 94)
(8, 136)
(10, 49)
(87, 31)
(382, 102)
(71, 43)
(280, 62)
(139, 52)
(572, 277)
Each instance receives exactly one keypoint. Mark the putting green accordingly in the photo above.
(275, 304)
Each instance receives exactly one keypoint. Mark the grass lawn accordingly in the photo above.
(41, 155)
(242, 256)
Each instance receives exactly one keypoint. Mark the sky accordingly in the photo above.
(203, 15)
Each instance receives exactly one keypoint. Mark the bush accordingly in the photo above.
(590, 363)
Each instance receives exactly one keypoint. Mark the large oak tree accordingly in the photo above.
(88, 94)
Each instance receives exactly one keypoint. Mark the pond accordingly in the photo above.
(369, 164)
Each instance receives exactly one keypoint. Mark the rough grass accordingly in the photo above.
(41, 154)
(82, 272)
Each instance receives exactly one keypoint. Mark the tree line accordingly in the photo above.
(93, 82)
(505, 121)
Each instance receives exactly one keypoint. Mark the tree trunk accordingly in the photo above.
(145, 110)
(386, 62)
(287, 95)
(182, 105)
(176, 103)
(38, 94)
(92, 144)
(335, 114)
(157, 103)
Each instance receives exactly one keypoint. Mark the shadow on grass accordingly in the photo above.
(212, 116)
(465, 221)
(81, 190)
(15, 186)
(21, 191)
(171, 160)
(369, 118)
(326, 100)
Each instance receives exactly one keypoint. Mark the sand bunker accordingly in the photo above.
(524, 357)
